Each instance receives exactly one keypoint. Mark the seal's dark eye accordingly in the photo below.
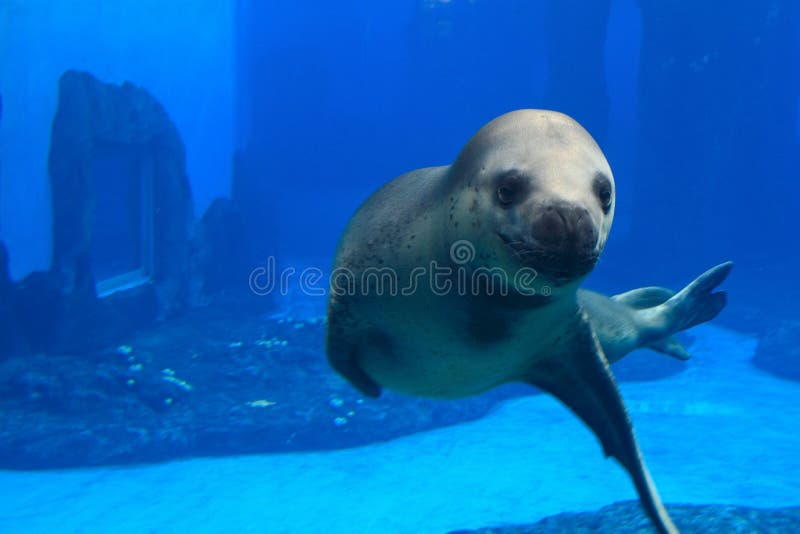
(510, 189)
(602, 188)
(506, 194)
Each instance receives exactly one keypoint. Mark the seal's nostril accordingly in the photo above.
(550, 227)
(564, 221)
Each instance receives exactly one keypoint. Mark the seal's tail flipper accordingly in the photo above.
(581, 378)
(671, 347)
(650, 297)
(644, 297)
(698, 302)
(662, 312)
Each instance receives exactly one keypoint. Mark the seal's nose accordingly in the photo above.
(564, 227)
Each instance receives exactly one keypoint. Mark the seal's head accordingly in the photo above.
(543, 189)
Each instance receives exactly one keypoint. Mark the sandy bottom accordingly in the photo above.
(721, 432)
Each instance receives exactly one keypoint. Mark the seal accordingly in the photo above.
(451, 280)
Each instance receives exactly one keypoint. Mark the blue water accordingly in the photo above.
(719, 432)
(298, 111)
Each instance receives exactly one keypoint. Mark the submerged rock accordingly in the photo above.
(216, 381)
(120, 193)
(628, 518)
(10, 337)
(38, 307)
(219, 259)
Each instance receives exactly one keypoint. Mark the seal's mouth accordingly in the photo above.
(560, 264)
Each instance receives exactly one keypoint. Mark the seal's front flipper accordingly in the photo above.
(342, 352)
(580, 377)
(345, 364)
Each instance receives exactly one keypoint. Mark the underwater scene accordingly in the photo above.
(413, 266)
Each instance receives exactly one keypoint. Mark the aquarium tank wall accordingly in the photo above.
(184, 56)
(204, 206)
(358, 84)
(677, 117)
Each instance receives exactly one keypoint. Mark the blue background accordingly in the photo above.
(695, 105)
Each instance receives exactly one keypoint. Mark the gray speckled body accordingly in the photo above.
(421, 341)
